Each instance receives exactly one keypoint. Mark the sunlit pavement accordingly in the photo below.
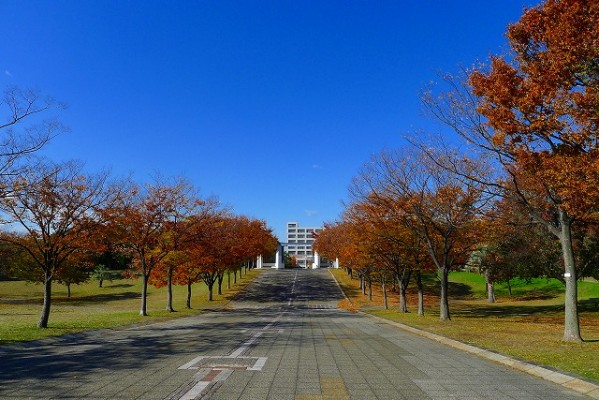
(284, 338)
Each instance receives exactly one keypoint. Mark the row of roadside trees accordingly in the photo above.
(58, 218)
(519, 192)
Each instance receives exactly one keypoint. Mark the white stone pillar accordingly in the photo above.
(279, 262)
(259, 262)
(316, 263)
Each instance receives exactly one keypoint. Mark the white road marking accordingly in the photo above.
(259, 364)
(199, 387)
(246, 345)
(191, 363)
(195, 391)
(292, 290)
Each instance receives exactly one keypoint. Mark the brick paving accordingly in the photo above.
(283, 339)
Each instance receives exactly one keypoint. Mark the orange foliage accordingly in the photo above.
(543, 106)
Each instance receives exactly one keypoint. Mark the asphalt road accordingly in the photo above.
(284, 338)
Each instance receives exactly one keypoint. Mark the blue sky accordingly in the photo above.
(273, 106)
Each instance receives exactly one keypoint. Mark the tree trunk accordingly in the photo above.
(100, 282)
(490, 292)
(144, 295)
(444, 302)
(403, 287)
(403, 303)
(509, 286)
(235, 276)
(188, 303)
(369, 289)
(228, 279)
(43, 321)
(571, 319)
(385, 295)
(169, 291)
(363, 284)
(490, 286)
(68, 285)
(210, 285)
(220, 279)
(420, 293)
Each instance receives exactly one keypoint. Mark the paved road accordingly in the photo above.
(283, 339)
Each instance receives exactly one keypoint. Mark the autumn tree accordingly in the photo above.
(194, 256)
(206, 245)
(392, 242)
(328, 242)
(498, 224)
(379, 240)
(186, 209)
(75, 270)
(542, 104)
(256, 238)
(208, 251)
(233, 240)
(140, 224)
(341, 240)
(533, 113)
(56, 209)
(441, 209)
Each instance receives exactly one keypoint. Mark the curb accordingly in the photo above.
(576, 384)
(340, 288)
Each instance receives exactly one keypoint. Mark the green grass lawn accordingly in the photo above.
(90, 307)
(528, 325)
(536, 288)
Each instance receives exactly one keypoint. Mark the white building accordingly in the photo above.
(299, 245)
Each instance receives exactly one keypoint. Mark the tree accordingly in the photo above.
(587, 243)
(289, 260)
(231, 241)
(101, 273)
(187, 209)
(441, 209)
(254, 239)
(12, 259)
(338, 241)
(194, 256)
(543, 107)
(56, 206)
(534, 114)
(209, 251)
(386, 241)
(139, 224)
(395, 244)
(74, 271)
(18, 141)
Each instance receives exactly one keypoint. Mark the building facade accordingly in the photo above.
(299, 245)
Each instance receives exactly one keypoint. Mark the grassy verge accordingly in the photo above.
(528, 325)
(90, 307)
